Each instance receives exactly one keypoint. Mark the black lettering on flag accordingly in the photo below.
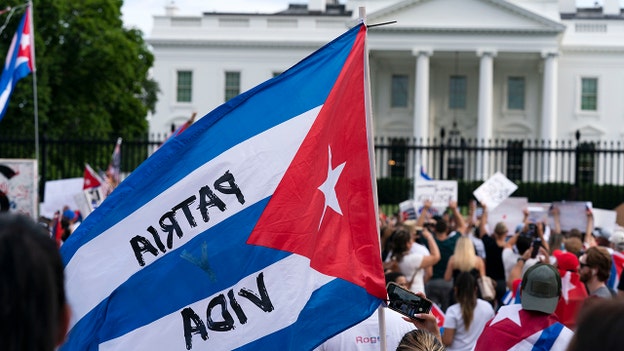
(228, 321)
(192, 325)
(208, 199)
(139, 246)
(230, 188)
(184, 206)
(169, 228)
(264, 302)
(159, 242)
(242, 317)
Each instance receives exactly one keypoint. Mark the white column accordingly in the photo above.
(421, 90)
(486, 87)
(421, 107)
(550, 97)
(484, 116)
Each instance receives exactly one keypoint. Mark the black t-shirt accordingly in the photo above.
(494, 267)
(621, 283)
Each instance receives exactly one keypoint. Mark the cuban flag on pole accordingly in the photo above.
(255, 229)
(19, 61)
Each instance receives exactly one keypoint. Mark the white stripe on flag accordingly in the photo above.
(287, 295)
(109, 256)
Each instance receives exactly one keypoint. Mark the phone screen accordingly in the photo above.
(537, 243)
(406, 302)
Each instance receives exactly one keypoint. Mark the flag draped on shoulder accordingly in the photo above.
(516, 329)
(19, 61)
(255, 229)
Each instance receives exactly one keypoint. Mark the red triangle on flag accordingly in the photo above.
(323, 207)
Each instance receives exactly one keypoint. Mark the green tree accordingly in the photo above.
(92, 73)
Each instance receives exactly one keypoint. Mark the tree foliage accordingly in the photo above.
(92, 73)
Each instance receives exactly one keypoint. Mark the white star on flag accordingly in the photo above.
(511, 312)
(328, 188)
(25, 41)
(566, 286)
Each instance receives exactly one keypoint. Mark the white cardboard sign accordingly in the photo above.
(495, 190)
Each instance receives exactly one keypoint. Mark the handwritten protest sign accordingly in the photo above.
(572, 214)
(495, 190)
(18, 186)
(440, 192)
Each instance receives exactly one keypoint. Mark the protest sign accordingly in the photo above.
(605, 219)
(494, 190)
(509, 212)
(18, 186)
(572, 214)
(440, 192)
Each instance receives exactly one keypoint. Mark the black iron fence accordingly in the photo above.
(544, 170)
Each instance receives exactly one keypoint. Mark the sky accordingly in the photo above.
(139, 13)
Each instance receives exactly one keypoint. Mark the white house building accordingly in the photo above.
(508, 69)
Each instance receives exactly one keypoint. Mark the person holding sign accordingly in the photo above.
(494, 244)
(438, 289)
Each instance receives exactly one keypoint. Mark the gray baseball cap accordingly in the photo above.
(541, 288)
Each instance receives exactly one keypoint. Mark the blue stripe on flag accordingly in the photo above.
(248, 114)
(317, 320)
(548, 337)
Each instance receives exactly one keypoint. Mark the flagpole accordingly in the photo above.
(381, 317)
(35, 104)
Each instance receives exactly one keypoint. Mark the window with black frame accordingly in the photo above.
(398, 158)
(515, 156)
(586, 162)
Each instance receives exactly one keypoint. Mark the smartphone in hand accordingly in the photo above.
(406, 302)
(537, 243)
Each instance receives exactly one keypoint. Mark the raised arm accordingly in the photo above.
(557, 219)
(459, 219)
(434, 257)
(424, 213)
(484, 218)
(589, 237)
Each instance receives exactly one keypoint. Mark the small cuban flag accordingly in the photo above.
(19, 61)
(255, 229)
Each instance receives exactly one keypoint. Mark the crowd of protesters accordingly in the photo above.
(555, 290)
(548, 281)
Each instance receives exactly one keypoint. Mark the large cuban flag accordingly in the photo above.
(255, 229)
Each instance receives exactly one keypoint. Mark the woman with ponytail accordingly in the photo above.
(465, 320)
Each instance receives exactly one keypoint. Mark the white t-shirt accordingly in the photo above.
(510, 258)
(410, 267)
(365, 335)
(466, 339)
